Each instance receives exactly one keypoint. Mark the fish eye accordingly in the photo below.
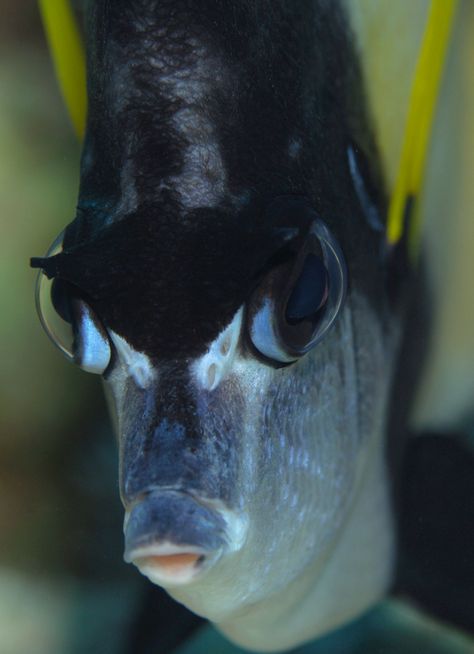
(70, 322)
(296, 305)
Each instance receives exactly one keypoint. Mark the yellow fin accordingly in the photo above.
(421, 110)
(68, 56)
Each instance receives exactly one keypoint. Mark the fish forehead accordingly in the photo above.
(202, 100)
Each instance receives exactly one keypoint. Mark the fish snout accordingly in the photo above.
(172, 537)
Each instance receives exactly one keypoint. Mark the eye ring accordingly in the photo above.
(272, 336)
(337, 287)
(43, 289)
(69, 321)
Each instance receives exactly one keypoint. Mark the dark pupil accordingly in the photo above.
(309, 292)
(60, 299)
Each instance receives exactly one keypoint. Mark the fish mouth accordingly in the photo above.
(166, 564)
(173, 538)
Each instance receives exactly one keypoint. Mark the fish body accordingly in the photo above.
(227, 264)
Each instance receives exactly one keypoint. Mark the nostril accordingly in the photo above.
(211, 375)
(225, 346)
(210, 369)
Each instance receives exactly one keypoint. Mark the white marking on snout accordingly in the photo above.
(137, 364)
(210, 369)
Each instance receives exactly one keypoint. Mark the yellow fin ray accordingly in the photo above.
(425, 88)
(67, 52)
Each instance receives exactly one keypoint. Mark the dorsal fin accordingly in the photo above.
(67, 52)
(421, 109)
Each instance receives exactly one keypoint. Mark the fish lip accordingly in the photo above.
(171, 521)
(161, 549)
(166, 490)
(140, 555)
(236, 522)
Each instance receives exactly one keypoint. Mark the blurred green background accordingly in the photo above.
(60, 518)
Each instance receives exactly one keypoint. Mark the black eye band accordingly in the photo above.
(49, 265)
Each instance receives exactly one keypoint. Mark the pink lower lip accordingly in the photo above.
(169, 563)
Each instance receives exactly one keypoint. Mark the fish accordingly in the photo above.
(227, 273)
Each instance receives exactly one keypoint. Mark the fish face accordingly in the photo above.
(247, 338)
(236, 475)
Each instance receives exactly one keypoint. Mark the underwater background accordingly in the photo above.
(63, 584)
(64, 588)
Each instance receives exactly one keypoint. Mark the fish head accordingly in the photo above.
(224, 273)
(235, 380)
